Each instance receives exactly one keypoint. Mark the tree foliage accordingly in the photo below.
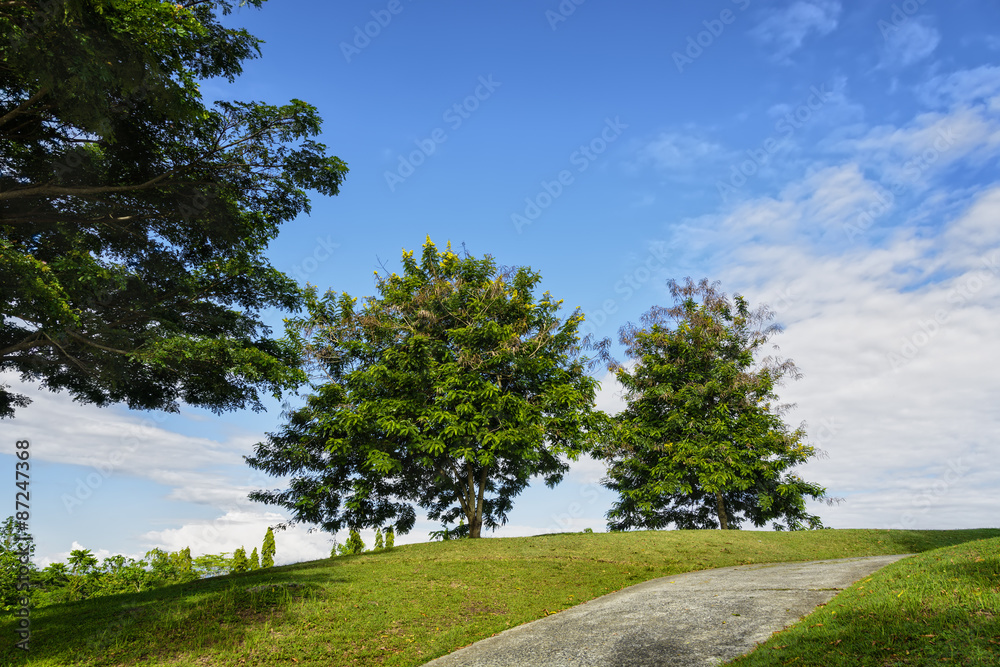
(14, 548)
(240, 561)
(134, 217)
(83, 577)
(450, 390)
(354, 544)
(268, 549)
(701, 443)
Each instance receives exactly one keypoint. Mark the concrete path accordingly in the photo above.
(698, 618)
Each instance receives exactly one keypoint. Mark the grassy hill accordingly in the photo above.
(411, 604)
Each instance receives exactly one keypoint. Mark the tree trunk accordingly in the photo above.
(476, 525)
(720, 507)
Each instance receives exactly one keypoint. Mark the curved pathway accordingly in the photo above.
(697, 618)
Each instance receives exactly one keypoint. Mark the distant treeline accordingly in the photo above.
(82, 576)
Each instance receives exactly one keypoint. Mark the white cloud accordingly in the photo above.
(909, 43)
(679, 151)
(912, 155)
(786, 30)
(962, 88)
(609, 396)
(897, 344)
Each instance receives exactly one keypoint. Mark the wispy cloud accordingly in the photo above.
(911, 42)
(680, 151)
(883, 333)
(963, 88)
(785, 30)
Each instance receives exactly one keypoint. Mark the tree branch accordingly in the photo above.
(45, 190)
(87, 341)
(28, 343)
(19, 109)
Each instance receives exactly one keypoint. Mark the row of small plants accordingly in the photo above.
(356, 545)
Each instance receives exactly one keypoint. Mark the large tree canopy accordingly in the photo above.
(450, 390)
(133, 216)
(702, 443)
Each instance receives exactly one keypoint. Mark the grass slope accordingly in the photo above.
(940, 608)
(411, 604)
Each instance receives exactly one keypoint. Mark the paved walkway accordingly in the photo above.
(698, 618)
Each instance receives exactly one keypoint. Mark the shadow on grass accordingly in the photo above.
(167, 622)
(919, 541)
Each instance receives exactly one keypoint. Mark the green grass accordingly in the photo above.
(411, 604)
(938, 608)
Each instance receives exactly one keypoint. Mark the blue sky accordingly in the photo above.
(836, 160)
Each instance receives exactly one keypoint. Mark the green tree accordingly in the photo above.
(121, 575)
(268, 549)
(13, 548)
(81, 561)
(701, 443)
(379, 540)
(84, 579)
(134, 218)
(390, 537)
(183, 565)
(240, 562)
(450, 390)
(52, 584)
(254, 560)
(353, 545)
(212, 565)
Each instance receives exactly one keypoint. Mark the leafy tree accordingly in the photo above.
(240, 562)
(12, 547)
(379, 540)
(83, 580)
(353, 545)
(702, 443)
(254, 560)
(268, 549)
(390, 538)
(121, 575)
(81, 561)
(134, 218)
(183, 565)
(52, 583)
(450, 390)
(212, 565)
